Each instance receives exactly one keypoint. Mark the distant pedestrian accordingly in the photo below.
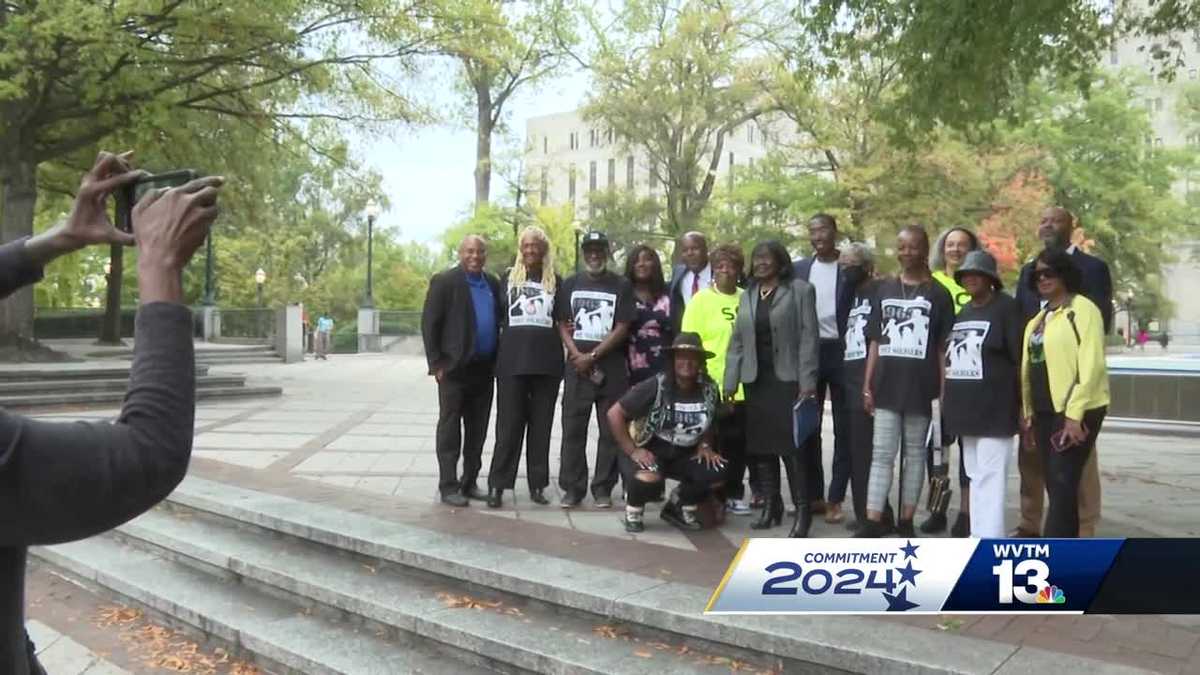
(460, 326)
(324, 336)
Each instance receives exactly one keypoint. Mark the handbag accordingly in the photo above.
(939, 473)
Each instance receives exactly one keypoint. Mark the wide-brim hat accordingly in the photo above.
(689, 343)
(979, 262)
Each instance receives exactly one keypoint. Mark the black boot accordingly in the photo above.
(962, 526)
(495, 498)
(772, 512)
(798, 486)
(934, 524)
(870, 529)
(538, 496)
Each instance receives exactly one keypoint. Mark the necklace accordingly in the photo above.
(904, 289)
(764, 293)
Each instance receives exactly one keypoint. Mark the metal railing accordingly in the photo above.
(399, 322)
(255, 322)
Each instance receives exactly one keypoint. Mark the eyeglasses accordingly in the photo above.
(1044, 274)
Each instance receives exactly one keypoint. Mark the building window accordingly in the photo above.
(574, 141)
(750, 162)
(1192, 74)
(651, 182)
(629, 173)
(750, 133)
(545, 186)
(571, 184)
(1158, 105)
(612, 173)
(1113, 59)
(731, 169)
(592, 138)
(592, 176)
(545, 144)
(1158, 142)
(608, 136)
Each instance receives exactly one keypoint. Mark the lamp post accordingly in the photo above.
(209, 291)
(260, 278)
(372, 213)
(1129, 317)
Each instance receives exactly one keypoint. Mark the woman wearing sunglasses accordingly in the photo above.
(1064, 383)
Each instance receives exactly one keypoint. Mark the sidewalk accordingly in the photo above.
(356, 432)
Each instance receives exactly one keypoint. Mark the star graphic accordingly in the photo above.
(899, 602)
(910, 551)
(908, 574)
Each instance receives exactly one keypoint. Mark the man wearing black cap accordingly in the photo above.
(594, 309)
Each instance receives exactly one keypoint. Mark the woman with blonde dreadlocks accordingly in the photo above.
(529, 368)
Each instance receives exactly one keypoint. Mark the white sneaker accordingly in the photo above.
(738, 507)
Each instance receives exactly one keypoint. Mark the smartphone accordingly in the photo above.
(1059, 441)
(129, 195)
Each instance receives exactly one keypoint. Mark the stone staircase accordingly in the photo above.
(82, 385)
(305, 588)
(213, 356)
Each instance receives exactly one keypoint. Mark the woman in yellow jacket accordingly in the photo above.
(1064, 384)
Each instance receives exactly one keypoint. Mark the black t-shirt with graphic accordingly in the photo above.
(529, 342)
(983, 360)
(856, 341)
(1039, 376)
(595, 306)
(686, 419)
(910, 323)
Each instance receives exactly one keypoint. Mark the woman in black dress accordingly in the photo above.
(773, 354)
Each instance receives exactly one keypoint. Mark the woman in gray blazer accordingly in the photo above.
(773, 354)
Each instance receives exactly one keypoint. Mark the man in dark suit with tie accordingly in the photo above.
(688, 279)
(834, 296)
(1055, 230)
(461, 328)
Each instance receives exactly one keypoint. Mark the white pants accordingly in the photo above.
(986, 460)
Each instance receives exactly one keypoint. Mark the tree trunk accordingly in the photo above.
(483, 145)
(110, 326)
(18, 181)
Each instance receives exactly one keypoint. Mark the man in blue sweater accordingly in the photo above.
(1055, 230)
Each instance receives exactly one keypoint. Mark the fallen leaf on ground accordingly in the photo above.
(643, 654)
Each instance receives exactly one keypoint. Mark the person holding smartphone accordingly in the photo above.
(1064, 384)
(673, 437)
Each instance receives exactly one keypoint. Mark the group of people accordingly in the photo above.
(698, 379)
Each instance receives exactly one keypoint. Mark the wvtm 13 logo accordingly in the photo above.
(1023, 575)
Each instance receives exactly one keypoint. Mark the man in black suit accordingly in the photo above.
(461, 328)
(1055, 230)
(834, 296)
(688, 279)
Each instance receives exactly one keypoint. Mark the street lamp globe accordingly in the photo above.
(260, 276)
(372, 209)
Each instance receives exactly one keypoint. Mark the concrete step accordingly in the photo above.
(647, 605)
(98, 385)
(61, 655)
(281, 636)
(73, 373)
(200, 351)
(498, 627)
(19, 401)
(215, 359)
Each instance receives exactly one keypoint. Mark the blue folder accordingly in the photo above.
(806, 420)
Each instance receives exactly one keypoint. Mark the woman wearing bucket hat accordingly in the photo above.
(982, 398)
(672, 436)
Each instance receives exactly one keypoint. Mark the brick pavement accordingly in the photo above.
(357, 432)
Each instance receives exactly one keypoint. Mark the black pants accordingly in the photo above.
(464, 405)
(862, 448)
(580, 396)
(1062, 471)
(731, 443)
(696, 479)
(524, 412)
(830, 386)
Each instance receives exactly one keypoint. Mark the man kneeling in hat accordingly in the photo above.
(671, 436)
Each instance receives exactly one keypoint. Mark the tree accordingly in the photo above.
(966, 63)
(77, 72)
(673, 79)
(501, 46)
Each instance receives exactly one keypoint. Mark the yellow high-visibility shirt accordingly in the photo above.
(711, 314)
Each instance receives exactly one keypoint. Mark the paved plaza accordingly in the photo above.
(357, 432)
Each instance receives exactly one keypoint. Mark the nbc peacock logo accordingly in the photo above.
(1051, 595)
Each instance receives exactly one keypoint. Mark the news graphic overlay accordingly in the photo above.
(929, 576)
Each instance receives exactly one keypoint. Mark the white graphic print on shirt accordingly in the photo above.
(856, 330)
(530, 305)
(905, 327)
(592, 312)
(685, 425)
(964, 353)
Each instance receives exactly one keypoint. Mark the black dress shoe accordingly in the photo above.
(962, 526)
(936, 523)
(904, 528)
(538, 497)
(472, 492)
(870, 529)
(455, 499)
(495, 498)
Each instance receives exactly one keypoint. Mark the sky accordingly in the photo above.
(428, 171)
